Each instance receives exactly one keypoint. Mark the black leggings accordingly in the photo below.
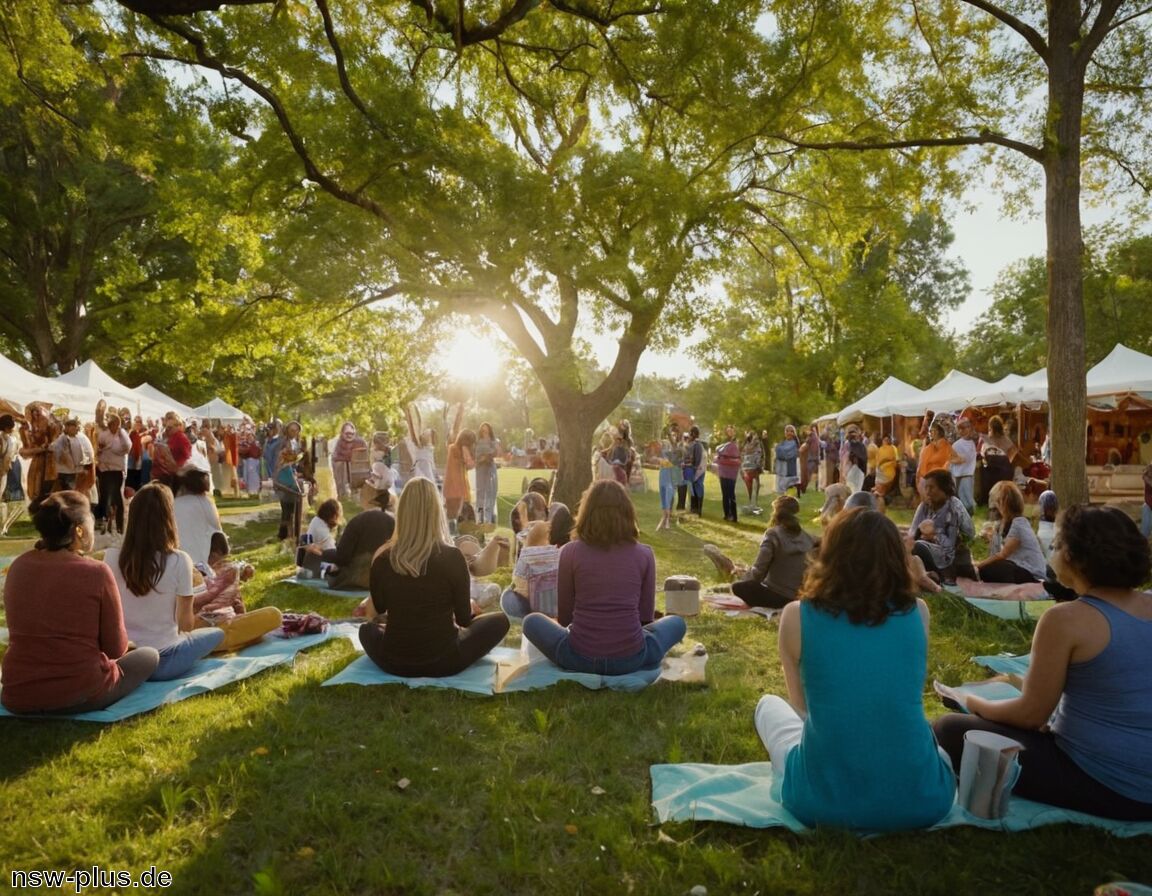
(1047, 773)
(110, 487)
(1006, 571)
(473, 642)
(757, 595)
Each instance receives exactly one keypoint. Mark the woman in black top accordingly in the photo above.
(419, 580)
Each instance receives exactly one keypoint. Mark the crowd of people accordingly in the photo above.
(84, 633)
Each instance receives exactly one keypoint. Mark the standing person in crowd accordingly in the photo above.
(154, 578)
(939, 525)
(270, 450)
(171, 451)
(420, 580)
(887, 467)
(1084, 714)
(139, 439)
(248, 447)
(10, 485)
(751, 468)
(1146, 507)
(811, 456)
(695, 466)
(460, 461)
(962, 463)
(486, 451)
(853, 459)
(788, 462)
(423, 446)
(728, 470)
(344, 452)
(1015, 554)
(287, 485)
(671, 476)
(37, 434)
(112, 448)
(606, 594)
(73, 453)
(846, 742)
(935, 455)
(997, 453)
(68, 651)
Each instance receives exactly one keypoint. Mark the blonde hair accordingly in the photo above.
(420, 527)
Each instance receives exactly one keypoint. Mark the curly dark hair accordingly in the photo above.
(1104, 546)
(57, 517)
(606, 516)
(785, 512)
(862, 569)
(944, 481)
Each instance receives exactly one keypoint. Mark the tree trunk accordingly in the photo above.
(1066, 348)
(576, 430)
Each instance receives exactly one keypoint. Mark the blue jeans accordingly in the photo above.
(964, 492)
(551, 638)
(193, 646)
(514, 604)
(1146, 521)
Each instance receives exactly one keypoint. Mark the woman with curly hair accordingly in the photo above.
(1084, 714)
(606, 594)
(845, 740)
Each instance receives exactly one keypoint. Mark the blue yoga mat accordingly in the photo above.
(748, 795)
(207, 675)
(543, 674)
(1005, 663)
(322, 585)
(479, 678)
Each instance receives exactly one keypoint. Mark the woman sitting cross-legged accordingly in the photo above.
(1015, 555)
(852, 741)
(154, 578)
(782, 560)
(1084, 715)
(939, 525)
(67, 648)
(606, 594)
(420, 580)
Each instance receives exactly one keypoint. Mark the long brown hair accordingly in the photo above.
(862, 569)
(606, 516)
(149, 537)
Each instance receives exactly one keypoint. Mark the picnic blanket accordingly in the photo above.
(479, 678)
(731, 605)
(749, 795)
(322, 585)
(210, 673)
(1001, 591)
(1004, 605)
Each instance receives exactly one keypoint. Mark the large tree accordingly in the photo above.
(958, 73)
(547, 167)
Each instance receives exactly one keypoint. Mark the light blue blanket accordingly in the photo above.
(322, 585)
(1005, 663)
(207, 675)
(543, 674)
(479, 678)
(748, 795)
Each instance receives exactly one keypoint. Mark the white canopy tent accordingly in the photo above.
(880, 402)
(149, 393)
(21, 387)
(219, 409)
(953, 393)
(1124, 371)
(91, 376)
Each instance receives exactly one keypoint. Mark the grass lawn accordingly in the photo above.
(276, 785)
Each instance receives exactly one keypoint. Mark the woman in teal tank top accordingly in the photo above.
(852, 741)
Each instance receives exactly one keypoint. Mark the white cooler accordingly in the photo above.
(682, 595)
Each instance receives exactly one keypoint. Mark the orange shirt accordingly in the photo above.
(934, 456)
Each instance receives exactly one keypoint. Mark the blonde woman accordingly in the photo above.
(420, 580)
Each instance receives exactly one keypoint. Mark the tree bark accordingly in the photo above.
(1067, 383)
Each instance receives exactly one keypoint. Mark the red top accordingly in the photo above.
(180, 447)
(65, 629)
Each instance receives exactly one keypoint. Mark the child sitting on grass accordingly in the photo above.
(222, 578)
(322, 529)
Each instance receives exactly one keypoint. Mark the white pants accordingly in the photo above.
(780, 728)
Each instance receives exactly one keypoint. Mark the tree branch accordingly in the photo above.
(342, 69)
(984, 138)
(1026, 31)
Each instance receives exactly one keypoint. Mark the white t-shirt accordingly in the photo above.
(423, 463)
(196, 520)
(321, 534)
(966, 450)
(150, 620)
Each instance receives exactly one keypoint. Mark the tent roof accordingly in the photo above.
(1124, 370)
(21, 387)
(149, 393)
(880, 401)
(90, 375)
(219, 409)
(950, 394)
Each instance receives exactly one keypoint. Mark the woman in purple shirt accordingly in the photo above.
(606, 594)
